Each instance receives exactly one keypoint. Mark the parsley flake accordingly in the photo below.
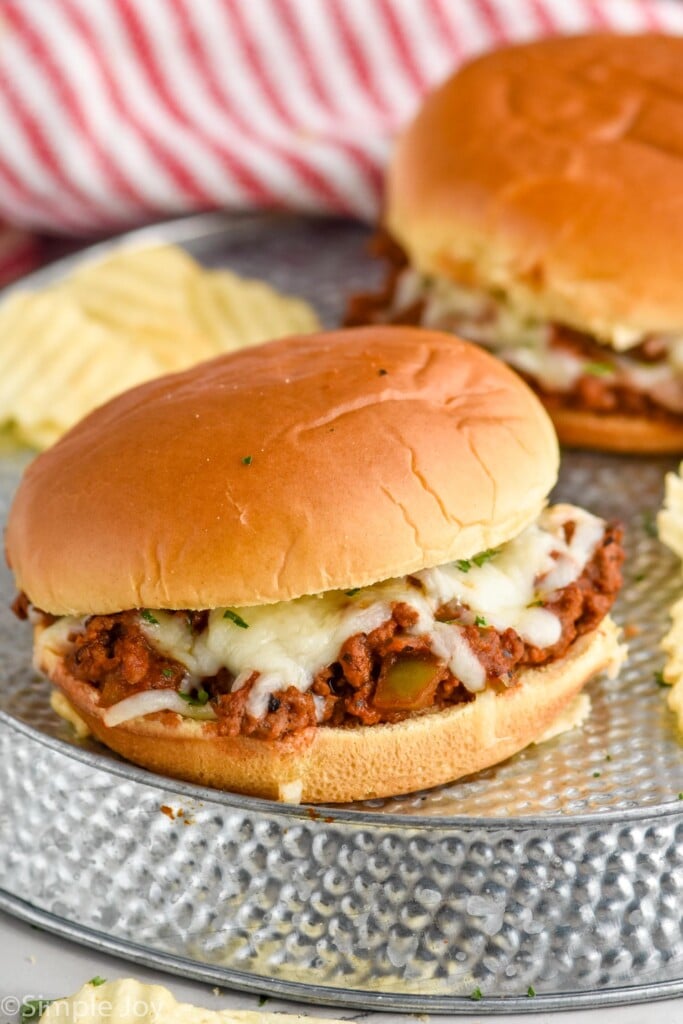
(167, 673)
(680, 796)
(97, 981)
(639, 577)
(198, 699)
(246, 460)
(33, 1009)
(234, 617)
(659, 679)
(476, 995)
(598, 369)
(465, 564)
(480, 621)
(352, 592)
(262, 1000)
(484, 556)
(596, 775)
(146, 614)
(650, 524)
(531, 991)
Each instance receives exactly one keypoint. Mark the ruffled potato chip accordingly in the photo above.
(137, 314)
(670, 519)
(127, 1001)
(56, 365)
(670, 529)
(236, 312)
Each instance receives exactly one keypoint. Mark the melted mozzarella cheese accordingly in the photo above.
(294, 639)
(173, 636)
(288, 643)
(477, 315)
(449, 643)
(55, 639)
(525, 343)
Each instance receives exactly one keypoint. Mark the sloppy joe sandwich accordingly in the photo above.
(533, 206)
(323, 570)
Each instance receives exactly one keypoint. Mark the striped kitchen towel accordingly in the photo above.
(115, 112)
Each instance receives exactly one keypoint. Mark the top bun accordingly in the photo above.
(552, 171)
(308, 464)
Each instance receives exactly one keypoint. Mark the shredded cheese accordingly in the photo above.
(524, 343)
(288, 643)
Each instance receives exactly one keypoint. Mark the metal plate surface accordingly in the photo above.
(561, 869)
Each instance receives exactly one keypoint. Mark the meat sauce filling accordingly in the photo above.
(384, 675)
(595, 392)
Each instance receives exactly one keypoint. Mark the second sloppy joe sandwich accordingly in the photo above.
(320, 570)
(534, 207)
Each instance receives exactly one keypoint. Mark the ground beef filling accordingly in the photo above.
(114, 655)
(591, 393)
(597, 394)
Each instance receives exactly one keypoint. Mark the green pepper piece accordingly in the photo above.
(407, 684)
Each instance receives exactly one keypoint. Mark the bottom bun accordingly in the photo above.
(634, 435)
(331, 765)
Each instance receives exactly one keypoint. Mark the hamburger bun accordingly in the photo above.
(630, 435)
(549, 174)
(328, 765)
(373, 453)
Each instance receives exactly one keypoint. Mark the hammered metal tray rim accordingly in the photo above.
(339, 812)
(175, 230)
(457, 1004)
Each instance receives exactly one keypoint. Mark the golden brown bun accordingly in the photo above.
(633, 435)
(328, 765)
(552, 171)
(374, 453)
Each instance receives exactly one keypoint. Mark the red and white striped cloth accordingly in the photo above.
(115, 112)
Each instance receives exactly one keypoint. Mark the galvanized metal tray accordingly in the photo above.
(559, 872)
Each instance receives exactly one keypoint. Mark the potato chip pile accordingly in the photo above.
(135, 315)
(127, 1001)
(670, 528)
